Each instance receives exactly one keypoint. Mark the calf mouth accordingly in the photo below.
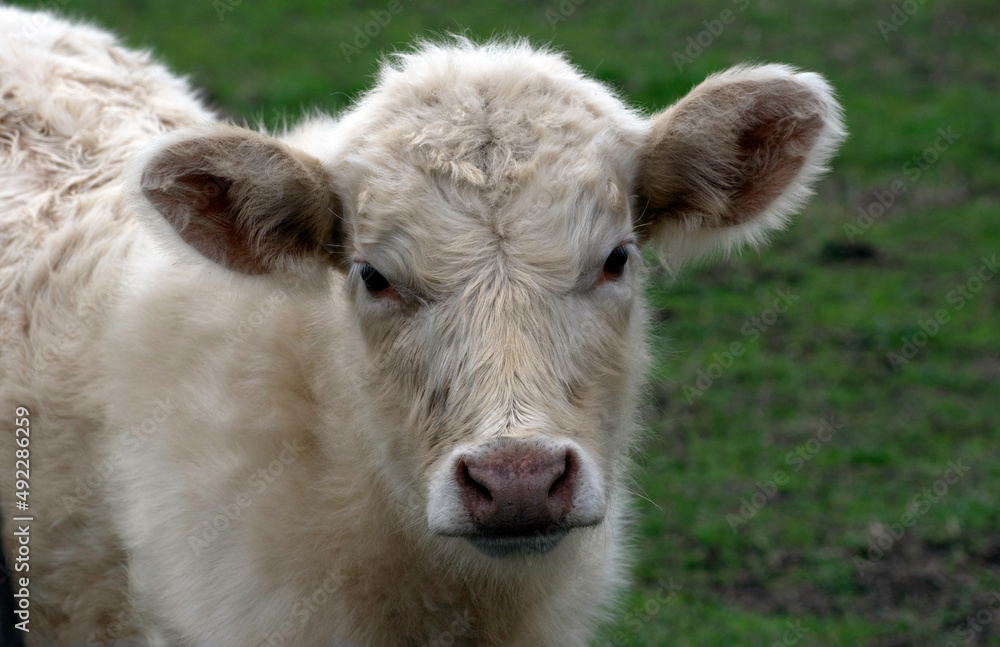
(501, 544)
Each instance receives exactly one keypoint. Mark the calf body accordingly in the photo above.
(371, 381)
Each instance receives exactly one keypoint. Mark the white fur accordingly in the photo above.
(219, 459)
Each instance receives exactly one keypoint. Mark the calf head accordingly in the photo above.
(486, 208)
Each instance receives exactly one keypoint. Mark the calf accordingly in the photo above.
(372, 381)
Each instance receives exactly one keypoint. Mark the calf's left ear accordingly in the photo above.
(244, 200)
(733, 159)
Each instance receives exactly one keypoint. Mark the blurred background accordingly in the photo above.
(836, 482)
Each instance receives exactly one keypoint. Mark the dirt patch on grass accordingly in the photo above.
(936, 589)
(855, 253)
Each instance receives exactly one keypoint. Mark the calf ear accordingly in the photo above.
(733, 159)
(242, 199)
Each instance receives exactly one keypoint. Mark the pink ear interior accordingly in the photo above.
(777, 134)
(243, 200)
(727, 151)
(197, 205)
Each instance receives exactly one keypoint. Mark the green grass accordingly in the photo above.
(825, 357)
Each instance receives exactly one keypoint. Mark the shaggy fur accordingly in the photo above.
(234, 441)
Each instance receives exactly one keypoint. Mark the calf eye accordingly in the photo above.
(374, 280)
(615, 265)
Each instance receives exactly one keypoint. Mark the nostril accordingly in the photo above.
(559, 484)
(471, 485)
(562, 489)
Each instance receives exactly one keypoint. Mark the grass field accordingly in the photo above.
(798, 493)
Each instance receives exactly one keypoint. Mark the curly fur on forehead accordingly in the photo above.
(483, 150)
(492, 115)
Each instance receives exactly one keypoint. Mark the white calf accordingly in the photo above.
(372, 381)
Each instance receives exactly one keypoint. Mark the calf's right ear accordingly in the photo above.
(244, 200)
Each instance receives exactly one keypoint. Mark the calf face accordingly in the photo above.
(484, 208)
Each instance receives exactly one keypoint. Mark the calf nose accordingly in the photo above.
(518, 488)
